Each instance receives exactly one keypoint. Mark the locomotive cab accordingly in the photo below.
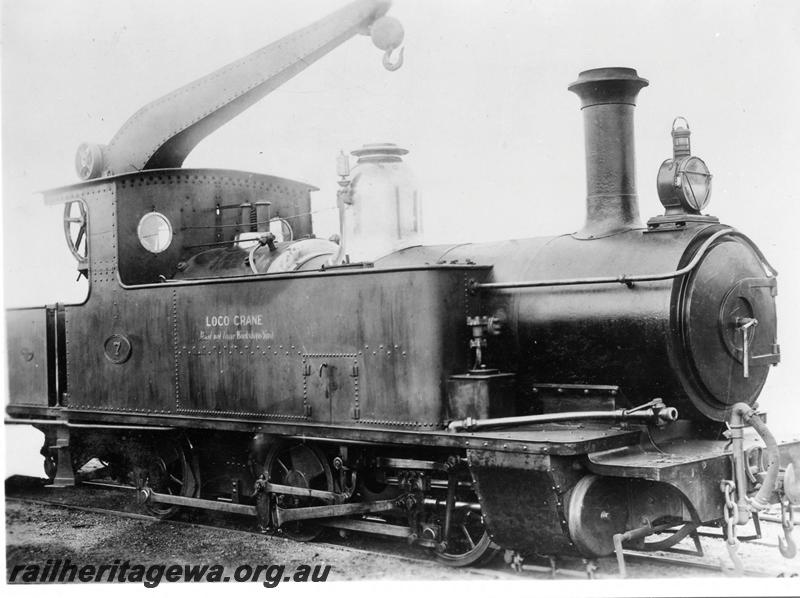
(146, 227)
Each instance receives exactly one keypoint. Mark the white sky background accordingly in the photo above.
(496, 140)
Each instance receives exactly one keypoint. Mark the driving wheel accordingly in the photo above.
(468, 541)
(171, 470)
(293, 463)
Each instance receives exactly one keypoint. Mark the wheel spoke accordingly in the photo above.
(176, 479)
(283, 466)
(466, 534)
(81, 232)
(468, 542)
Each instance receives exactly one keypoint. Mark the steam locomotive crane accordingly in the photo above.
(557, 395)
(164, 132)
(161, 134)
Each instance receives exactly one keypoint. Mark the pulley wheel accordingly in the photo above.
(75, 230)
(597, 509)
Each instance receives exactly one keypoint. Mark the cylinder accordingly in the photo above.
(608, 97)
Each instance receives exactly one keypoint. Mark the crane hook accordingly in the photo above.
(787, 547)
(387, 35)
(387, 60)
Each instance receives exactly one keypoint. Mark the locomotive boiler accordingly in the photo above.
(567, 395)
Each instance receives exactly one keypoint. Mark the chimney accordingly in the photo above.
(608, 97)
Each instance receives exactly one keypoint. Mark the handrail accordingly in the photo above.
(654, 412)
(630, 280)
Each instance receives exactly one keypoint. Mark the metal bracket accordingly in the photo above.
(334, 497)
(743, 291)
(633, 534)
(65, 476)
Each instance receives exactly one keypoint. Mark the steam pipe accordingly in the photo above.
(608, 97)
(741, 415)
(769, 485)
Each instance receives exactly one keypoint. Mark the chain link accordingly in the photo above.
(787, 514)
(786, 545)
(730, 512)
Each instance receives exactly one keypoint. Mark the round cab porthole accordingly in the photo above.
(155, 232)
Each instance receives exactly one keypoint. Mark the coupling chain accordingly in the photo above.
(787, 514)
(730, 513)
(786, 545)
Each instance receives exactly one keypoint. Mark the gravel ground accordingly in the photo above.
(36, 533)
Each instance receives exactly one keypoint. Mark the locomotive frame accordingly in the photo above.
(377, 397)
